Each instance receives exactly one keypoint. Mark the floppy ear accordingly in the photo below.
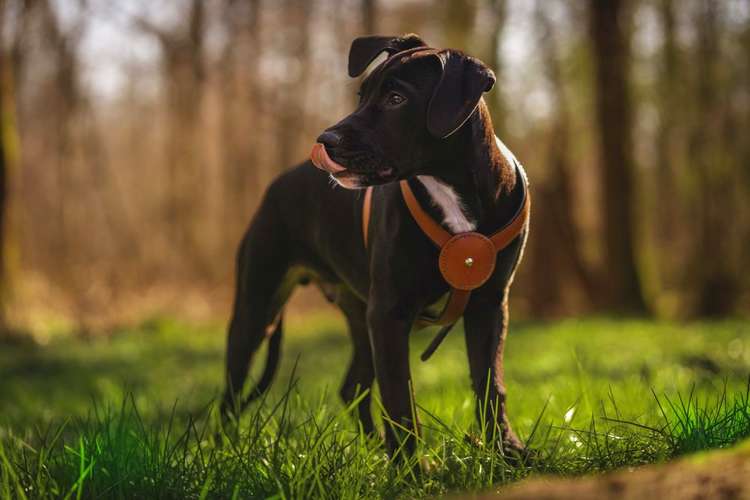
(457, 94)
(365, 49)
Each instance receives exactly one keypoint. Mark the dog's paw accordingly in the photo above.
(518, 454)
(473, 440)
(427, 465)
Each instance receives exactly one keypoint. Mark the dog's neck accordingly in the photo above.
(470, 180)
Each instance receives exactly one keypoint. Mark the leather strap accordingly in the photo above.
(440, 236)
(458, 299)
(510, 232)
(452, 312)
(427, 224)
(366, 207)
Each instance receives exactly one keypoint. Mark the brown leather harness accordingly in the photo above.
(466, 261)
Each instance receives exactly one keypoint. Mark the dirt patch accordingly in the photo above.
(723, 474)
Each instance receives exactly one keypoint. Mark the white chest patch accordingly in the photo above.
(445, 198)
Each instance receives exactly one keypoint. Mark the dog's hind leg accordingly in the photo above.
(263, 286)
(361, 374)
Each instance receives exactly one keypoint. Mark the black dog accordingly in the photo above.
(421, 117)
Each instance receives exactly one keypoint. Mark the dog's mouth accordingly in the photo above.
(319, 157)
(348, 177)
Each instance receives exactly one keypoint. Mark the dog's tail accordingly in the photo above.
(272, 363)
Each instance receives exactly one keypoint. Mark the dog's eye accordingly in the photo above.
(395, 99)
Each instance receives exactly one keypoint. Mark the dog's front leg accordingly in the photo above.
(486, 325)
(389, 336)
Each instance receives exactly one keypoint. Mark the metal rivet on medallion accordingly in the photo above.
(469, 262)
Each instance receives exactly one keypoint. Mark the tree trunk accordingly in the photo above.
(717, 285)
(183, 71)
(495, 101)
(185, 76)
(65, 100)
(5, 126)
(369, 17)
(9, 155)
(666, 209)
(555, 199)
(291, 122)
(611, 47)
(744, 156)
(240, 113)
(458, 23)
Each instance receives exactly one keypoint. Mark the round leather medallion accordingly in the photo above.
(467, 260)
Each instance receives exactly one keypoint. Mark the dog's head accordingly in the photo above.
(416, 98)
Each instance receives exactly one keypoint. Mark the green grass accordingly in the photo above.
(131, 415)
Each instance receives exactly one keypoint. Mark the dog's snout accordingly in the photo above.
(329, 138)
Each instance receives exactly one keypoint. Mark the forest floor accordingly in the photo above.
(131, 414)
(706, 475)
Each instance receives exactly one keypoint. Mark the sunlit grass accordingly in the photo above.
(132, 415)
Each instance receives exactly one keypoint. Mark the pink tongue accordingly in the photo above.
(319, 157)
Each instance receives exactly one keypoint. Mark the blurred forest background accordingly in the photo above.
(137, 138)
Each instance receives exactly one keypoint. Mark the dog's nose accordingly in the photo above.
(329, 138)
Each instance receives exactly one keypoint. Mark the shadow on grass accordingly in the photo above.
(161, 362)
